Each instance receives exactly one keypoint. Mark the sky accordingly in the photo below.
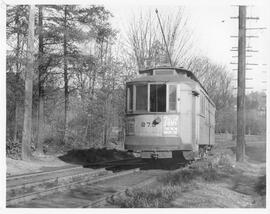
(212, 29)
(210, 23)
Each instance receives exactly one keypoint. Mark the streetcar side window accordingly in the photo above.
(158, 98)
(130, 98)
(172, 97)
(141, 97)
(202, 101)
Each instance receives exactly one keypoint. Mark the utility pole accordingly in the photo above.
(242, 49)
(240, 141)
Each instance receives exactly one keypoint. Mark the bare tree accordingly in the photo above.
(215, 78)
(27, 124)
(218, 83)
(178, 37)
(146, 40)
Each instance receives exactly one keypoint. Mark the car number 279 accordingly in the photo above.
(147, 124)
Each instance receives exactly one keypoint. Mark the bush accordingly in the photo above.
(146, 198)
(13, 149)
(178, 178)
(260, 186)
(222, 160)
(210, 174)
(54, 144)
(188, 175)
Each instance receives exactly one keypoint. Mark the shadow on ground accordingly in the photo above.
(97, 158)
(88, 156)
(146, 164)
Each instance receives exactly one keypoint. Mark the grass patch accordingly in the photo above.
(178, 178)
(222, 160)
(186, 176)
(146, 198)
(212, 169)
(172, 184)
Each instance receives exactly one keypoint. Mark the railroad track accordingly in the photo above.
(26, 187)
(101, 202)
(87, 186)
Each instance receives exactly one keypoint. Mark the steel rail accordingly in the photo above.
(16, 177)
(31, 196)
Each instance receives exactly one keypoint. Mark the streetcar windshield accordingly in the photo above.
(151, 97)
(141, 97)
(158, 98)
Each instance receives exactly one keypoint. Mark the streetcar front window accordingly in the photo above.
(158, 98)
(141, 97)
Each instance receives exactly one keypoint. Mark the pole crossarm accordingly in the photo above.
(250, 17)
(251, 36)
(256, 28)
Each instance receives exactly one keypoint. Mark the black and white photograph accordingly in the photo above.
(134, 104)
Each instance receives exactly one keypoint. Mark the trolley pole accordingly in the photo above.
(240, 143)
(167, 49)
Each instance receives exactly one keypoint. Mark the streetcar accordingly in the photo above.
(168, 113)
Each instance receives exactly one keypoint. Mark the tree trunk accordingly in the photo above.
(27, 123)
(88, 125)
(65, 76)
(40, 138)
(17, 80)
(16, 120)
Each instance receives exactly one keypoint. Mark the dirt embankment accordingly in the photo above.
(218, 182)
(238, 190)
(41, 163)
(17, 167)
(242, 187)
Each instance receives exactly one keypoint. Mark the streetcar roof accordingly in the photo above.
(178, 70)
(162, 78)
(187, 76)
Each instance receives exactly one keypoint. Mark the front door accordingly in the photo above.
(195, 120)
